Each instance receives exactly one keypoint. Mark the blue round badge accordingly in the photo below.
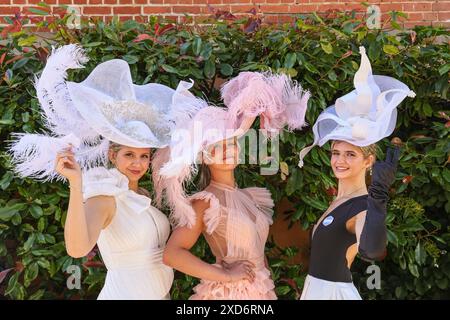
(328, 220)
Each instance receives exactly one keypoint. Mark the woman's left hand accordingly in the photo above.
(383, 173)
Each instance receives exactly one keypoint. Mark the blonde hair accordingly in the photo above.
(370, 150)
(114, 148)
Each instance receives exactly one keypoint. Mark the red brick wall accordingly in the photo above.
(420, 12)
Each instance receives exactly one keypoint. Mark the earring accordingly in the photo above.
(370, 171)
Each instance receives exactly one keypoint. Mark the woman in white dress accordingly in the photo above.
(104, 121)
(107, 208)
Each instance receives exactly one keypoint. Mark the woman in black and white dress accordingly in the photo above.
(355, 221)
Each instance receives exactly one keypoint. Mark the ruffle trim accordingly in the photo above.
(262, 288)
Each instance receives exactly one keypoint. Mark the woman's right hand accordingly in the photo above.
(240, 270)
(67, 166)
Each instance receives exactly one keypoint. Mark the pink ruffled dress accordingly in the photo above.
(236, 228)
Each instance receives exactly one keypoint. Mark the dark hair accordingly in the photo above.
(205, 176)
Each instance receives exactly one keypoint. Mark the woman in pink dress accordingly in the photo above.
(235, 222)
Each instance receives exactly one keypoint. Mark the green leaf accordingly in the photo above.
(292, 183)
(3, 227)
(197, 46)
(318, 18)
(31, 273)
(40, 237)
(38, 11)
(37, 295)
(392, 238)
(16, 219)
(292, 72)
(283, 290)
(446, 174)
(427, 110)
(7, 213)
(439, 239)
(184, 48)
(327, 47)
(12, 283)
(412, 227)
(20, 63)
(226, 69)
(402, 263)
(395, 25)
(49, 238)
(314, 202)
(30, 241)
(42, 252)
(444, 69)
(347, 27)
(413, 269)
(332, 75)
(25, 117)
(3, 249)
(442, 283)
(169, 69)
(289, 60)
(66, 263)
(52, 199)
(400, 292)
(206, 51)
(7, 121)
(36, 211)
(420, 254)
(111, 34)
(130, 59)
(297, 214)
(315, 157)
(27, 227)
(390, 49)
(28, 41)
(41, 224)
(210, 69)
(93, 44)
(311, 68)
(44, 263)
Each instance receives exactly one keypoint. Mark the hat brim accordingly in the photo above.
(104, 115)
(107, 98)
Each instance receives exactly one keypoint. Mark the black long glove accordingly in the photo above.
(372, 242)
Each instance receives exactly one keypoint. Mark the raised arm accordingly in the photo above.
(372, 235)
(84, 221)
(178, 256)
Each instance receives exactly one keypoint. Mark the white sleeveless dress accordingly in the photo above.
(132, 245)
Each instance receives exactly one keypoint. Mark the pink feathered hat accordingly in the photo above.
(278, 101)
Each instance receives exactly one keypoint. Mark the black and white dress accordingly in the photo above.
(329, 277)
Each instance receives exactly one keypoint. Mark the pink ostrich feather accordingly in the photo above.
(250, 94)
(182, 213)
(275, 97)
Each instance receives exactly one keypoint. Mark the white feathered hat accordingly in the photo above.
(105, 107)
(363, 116)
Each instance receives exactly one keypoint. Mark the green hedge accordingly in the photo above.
(322, 53)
